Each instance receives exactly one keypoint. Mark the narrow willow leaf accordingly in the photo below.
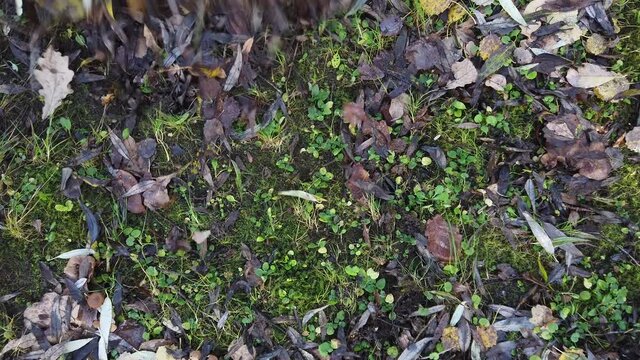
(74, 345)
(76, 252)
(300, 194)
(512, 10)
(414, 350)
(106, 315)
(539, 233)
(310, 314)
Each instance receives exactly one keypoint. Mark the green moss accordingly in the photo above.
(493, 249)
(628, 17)
(625, 193)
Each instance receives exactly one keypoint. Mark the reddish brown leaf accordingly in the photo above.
(443, 240)
(127, 181)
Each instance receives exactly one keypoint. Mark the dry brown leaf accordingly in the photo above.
(451, 338)
(398, 106)
(541, 316)
(54, 76)
(443, 240)
(589, 76)
(497, 82)
(95, 300)
(464, 72)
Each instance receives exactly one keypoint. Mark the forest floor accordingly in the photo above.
(401, 181)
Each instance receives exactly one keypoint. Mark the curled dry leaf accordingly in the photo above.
(444, 240)
(54, 76)
(464, 72)
(541, 316)
(496, 82)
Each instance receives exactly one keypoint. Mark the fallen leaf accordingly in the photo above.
(414, 350)
(451, 338)
(200, 236)
(434, 7)
(77, 252)
(596, 44)
(456, 13)
(496, 82)
(523, 56)
(541, 316)
(234, 73)
(632, 139)
(513, 12)
(443, 240)
(391, 25)
(589, 76)
(488, 336)
(399, 106)
(301, 195)
(538, 232)
(489, 45)
(54, 76)
(464, 72)
(611, 89)
(95, 300)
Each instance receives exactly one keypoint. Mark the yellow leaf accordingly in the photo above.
(450, 338)
(610, 89)
(489, 45)
(488, 336)
(456, 13)
(434, 7)
(214, 73)
(109, 5)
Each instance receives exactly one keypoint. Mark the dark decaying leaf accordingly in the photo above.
(360, 184)
(175, 240)
(436, 153)
(93, 228)
(573, 141)
(252, 263)
(443, 240)
(391, 25)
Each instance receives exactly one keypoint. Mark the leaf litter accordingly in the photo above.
(476, 65)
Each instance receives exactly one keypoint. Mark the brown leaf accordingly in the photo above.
(54, 76)
(354, 115)
(80, 267)
(444, 240)
(489, 45)
(127, 181)
(95, 300)
(464, 72)
(541, 316)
